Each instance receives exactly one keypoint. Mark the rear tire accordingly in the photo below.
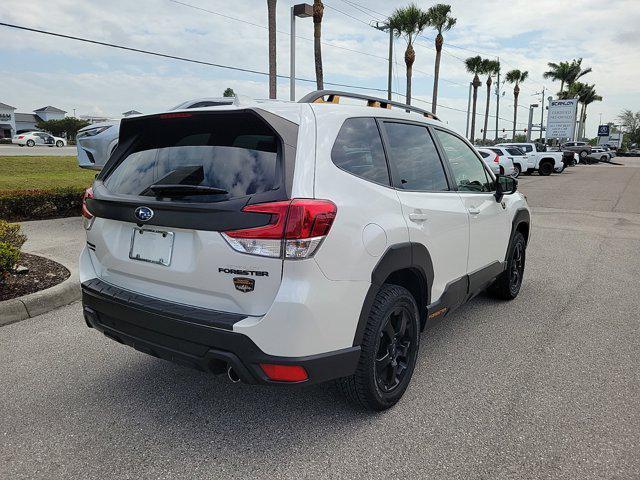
(507, 285)
(583, 154)
(31, 143)
(388, 351)
(545, 169)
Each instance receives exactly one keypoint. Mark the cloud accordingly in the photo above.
(44, 70)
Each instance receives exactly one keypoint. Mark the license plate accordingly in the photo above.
(153, 246)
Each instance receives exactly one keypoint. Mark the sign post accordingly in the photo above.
(561, 119)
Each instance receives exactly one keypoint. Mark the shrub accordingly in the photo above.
(9, 256)
(10, 233)
(20, 205)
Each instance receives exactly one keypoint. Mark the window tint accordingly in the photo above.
(358, 150)
(236, 152)
(497, 151)
(468, 170)
(526, 148)
(415, 158)
(483, 154)
(514, 151)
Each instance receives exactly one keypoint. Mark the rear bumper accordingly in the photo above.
(196, 338)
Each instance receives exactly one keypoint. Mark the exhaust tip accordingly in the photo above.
(233, 376)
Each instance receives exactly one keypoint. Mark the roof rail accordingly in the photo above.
(333, 96)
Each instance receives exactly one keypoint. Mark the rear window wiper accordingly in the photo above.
(178, 190)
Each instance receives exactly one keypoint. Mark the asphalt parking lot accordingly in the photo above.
(546, 386)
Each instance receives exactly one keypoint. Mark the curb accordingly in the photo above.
(37, 303)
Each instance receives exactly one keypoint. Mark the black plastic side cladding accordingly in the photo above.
(406, 255)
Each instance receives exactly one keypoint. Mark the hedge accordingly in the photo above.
(21, 205)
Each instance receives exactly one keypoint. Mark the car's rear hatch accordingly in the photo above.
(175, 182)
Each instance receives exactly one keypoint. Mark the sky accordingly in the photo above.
(39, 70)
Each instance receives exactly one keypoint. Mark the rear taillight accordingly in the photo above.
(497, 159)
(20, 137)
(296, 229)
(87, 217)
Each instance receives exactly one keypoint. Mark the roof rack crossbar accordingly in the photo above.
(333, 96)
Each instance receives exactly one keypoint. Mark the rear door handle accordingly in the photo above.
(474, 211)
(418, 217)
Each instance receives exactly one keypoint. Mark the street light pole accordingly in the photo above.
(468, 109)
(497, 100)
(530, 125)
(384, 28)
(541, 113)
(302, 10)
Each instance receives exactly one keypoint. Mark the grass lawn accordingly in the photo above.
(42, 173)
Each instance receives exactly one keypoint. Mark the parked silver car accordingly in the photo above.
(96, 143)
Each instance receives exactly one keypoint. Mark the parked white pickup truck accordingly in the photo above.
(538, 158)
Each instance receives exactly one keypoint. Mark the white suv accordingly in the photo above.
(295, 242)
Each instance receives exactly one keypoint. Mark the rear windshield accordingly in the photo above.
(235, 153)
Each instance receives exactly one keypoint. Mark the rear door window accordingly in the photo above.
(483, 154)
(414, 158)
(497, 151)
(199, 158)
(358, 150)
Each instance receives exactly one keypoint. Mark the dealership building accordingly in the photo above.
(12, 122)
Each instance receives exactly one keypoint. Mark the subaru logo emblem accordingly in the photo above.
(144, 214)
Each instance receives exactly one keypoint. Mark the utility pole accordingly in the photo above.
(497, 100)
(469, 109)
(384, 27)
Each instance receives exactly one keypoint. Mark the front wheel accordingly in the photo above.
(59, 144)
(388, 351)
(517, 170)
(507, 285)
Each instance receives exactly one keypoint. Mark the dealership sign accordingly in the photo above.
(561, 118)
(5, 117)
(603, 131)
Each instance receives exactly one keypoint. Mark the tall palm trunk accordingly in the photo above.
(476, 83)
(271, 12)
(561, 85)
(409, 58)
(486, 112)
(436, 72)
(516, 92)
(318, 11)
(583, 120)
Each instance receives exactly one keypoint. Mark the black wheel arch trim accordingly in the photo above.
(522, 216)
(401, 256)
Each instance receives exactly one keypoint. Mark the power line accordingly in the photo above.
(346, 14)
(212, 64)
(175, 57)
(362, 9)
(264, 27)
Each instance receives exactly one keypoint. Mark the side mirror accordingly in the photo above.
(505, 186)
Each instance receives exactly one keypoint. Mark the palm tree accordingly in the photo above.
(559, 72)
(490, 67)
(576, 71)
(439, 19)
(566, 72)
(318, 12)
(586, 95)
(271, 13)
(516, 77)
(476, 66)
(409, 22)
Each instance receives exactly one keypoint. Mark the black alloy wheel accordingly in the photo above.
(395, 349)
(516, 267)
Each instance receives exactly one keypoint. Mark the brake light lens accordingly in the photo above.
(497, 159)
(296, 229)
(284, 373)
(20, 137)
(87, 217)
